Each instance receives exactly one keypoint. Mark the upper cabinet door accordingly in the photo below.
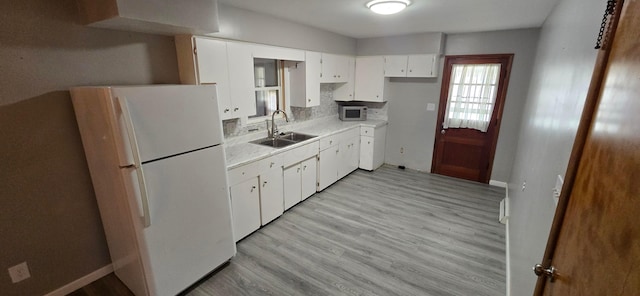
(395, 66)
(242, 88)
(213, 67)
(335, 68)
(370, 79)
(423, 65)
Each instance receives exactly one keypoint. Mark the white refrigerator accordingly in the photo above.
(158, 168)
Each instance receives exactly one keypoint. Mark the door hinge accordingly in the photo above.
(318, 184)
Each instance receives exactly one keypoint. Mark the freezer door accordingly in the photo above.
(190, 213)
(167, 120)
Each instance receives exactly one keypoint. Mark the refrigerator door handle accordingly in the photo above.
(137, 164)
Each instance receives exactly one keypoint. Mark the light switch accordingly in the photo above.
(431, 107)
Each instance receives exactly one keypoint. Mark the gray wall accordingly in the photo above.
(559, 84)
(48, 213)
(403, 44)
(411, 130)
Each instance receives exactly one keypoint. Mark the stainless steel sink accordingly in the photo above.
(275, 143)
(297, 137)
(283, 140)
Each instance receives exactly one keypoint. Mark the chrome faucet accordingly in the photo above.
(273, 133)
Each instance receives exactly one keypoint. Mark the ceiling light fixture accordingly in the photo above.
(387, 6)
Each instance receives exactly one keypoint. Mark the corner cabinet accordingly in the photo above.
(227, 64)
(419, 65)
(305, 81)
(370, 83)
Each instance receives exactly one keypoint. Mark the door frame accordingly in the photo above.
(496, 116)
(588, 112)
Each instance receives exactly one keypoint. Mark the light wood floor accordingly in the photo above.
(388, 232)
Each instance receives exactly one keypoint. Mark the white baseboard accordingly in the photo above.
(81, 282)
(498, 183)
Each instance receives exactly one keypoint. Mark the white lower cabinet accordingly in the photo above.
(372, 144)
(328, 162)
(245, 208)
(271, 189)
(293, 186)
(308, 177)
(339, 156)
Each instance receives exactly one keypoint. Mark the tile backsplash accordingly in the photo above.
(327, 108)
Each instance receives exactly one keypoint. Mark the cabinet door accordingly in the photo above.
(421, 65)
(349, 156)
(344, 92)
(213, 67)
(312, 81)
(366, 152)
(370, 79)
(354, 158)
(271, 192)
(245, 208)
(241, 82)
(395, 66)
(341, 68)
(328, 68)
(308, 176)
(380, 141)
(328, 167)
(292, 186)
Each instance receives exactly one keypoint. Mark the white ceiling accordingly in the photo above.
(351, 17)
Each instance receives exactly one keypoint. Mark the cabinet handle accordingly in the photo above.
(253, 188)
(330, 142)
(271, 165)
(236, 109)
(226, 110)
(264, 183)
(410, 70)
(402, 70)
(309, 100)
(337, 151)
(298, 170)
(368, 142)
(304, 167)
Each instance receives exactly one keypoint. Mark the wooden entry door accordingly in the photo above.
(594, 244)
(464, 152)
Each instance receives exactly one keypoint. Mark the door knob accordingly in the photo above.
(550, 272)
(442, 132)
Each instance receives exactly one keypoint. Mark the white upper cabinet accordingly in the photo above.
(227, 64)
(305, 81)
(335, 68)
(419, 65)
(345, 91)
(167, 17)
(395, 66)
(241, 89)
(370, 80)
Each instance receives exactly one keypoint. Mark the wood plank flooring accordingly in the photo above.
(388, 232)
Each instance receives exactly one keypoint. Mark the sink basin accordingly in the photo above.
(283, 140)
(275, 143)
(296, 137)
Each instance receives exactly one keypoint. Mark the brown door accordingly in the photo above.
(594, 244)
(467, 153)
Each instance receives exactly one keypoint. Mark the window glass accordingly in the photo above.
(267, 86)
(472, 95)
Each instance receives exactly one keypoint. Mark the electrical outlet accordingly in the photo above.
(19, 272)
(524, 185)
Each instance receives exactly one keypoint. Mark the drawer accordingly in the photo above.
(367, 131)
(243, 173)
(299, 154)
(270, 163)
(329, 141)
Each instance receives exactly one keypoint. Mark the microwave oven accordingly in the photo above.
(352, 113)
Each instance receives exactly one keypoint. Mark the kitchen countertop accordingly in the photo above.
(239, 151)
